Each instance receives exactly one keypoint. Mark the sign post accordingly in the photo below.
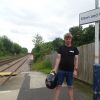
(89, 17)
(96, 36)
(96, 66)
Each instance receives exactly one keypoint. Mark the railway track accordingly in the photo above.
(2, 62)
(12, 68)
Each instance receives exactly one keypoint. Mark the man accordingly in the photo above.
(66, 66)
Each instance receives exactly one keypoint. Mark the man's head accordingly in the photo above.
(68, 39)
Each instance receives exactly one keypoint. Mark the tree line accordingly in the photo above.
(81, 36)
(7, 47)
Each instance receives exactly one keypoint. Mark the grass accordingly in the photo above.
(43, 66)
(9, 56)
(5, 57)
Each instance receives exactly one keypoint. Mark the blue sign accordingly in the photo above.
(96, 81)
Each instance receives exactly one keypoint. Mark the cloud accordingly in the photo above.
(49, 18)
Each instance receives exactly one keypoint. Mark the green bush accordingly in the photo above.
(43, 66)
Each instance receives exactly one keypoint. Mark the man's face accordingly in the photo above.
(68, 40)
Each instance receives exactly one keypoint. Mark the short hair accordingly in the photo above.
(68, 35)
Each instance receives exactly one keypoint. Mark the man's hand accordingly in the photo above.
(54, 70)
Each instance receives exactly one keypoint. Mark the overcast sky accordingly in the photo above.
(21, 20)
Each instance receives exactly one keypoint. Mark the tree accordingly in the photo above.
(7, 47)
(77, 35)
(46, 48)
(41, 49)
(24, 50)
(89, 34)
(17, 48)
(1, 47)
(57, 42)
(6, 43)
(82, 36)
(37, 40)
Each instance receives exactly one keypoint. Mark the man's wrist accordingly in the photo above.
(55, 70)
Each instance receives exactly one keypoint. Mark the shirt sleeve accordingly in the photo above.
(76, 52)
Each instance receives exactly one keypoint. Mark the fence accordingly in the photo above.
(86, 61)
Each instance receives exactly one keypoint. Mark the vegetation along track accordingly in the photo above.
(2, 62)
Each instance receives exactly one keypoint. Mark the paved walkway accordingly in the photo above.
(32, 87)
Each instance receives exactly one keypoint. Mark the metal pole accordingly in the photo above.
(96, 67)
(97, 36)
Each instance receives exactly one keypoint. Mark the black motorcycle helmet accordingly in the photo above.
(51, 80)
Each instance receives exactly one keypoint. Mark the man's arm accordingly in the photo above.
(75, 66)
(76, 62)
(57, 61)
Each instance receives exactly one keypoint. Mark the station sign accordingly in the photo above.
(89, 16)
